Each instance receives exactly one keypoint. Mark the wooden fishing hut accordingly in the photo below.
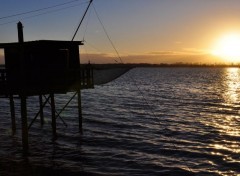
(42, 68)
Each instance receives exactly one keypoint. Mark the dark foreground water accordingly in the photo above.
(164, 121)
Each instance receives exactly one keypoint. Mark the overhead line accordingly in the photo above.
(134, 81)
(44, 13)
(119, 57)
(105, 31)
(37, 10)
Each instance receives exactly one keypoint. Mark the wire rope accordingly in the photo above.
(133, 80)
(37, 10)
(119, 57)
(44, 13)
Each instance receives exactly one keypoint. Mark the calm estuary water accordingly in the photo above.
(150, 121)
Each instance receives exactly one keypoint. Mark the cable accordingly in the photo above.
(135, 83)
(37, 10)
(88, 19)
(40, 14)
(119, 57)
(105, 31)
(133, 80)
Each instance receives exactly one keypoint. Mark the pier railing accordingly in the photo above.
(86, 76)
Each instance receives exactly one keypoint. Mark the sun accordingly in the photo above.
(228, 48)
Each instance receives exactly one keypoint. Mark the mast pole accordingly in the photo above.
(82, 19)
(20, 32)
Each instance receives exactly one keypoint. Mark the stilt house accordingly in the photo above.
(42, 68)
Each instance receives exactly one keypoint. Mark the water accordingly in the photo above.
(151, 121)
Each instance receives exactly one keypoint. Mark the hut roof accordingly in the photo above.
(46, 43)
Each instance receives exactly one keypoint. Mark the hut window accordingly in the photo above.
(2, 57)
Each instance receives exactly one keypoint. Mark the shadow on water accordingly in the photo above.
(48, 158)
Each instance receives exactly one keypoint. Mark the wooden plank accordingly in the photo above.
(41, 110)
(54, 127)
(24, 124)
(80, 111)
(12, 109)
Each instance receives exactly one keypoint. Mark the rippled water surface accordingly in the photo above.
(151, 121)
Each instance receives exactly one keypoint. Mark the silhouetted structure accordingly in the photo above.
(40, 68)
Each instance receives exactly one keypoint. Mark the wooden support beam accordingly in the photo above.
(80, 111)
(41, 110)
(12, 109)
(44, 104)
(57, 114)
(24, 124)
(54, 128)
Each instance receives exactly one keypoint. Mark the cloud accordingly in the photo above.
(178, 42)
(163, 53)
(196, 51)
(184, 51)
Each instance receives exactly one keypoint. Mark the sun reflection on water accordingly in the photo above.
(231, 98)
(232, 83)
(227, 120)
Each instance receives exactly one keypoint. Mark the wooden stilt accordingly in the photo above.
(12, 109)
(41, 110)
(24, 124)
(54, 128)
(80, 111)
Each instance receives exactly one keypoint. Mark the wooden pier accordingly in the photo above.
(42, 68)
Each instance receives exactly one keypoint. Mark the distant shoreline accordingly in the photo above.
(127, 65)
(135, 65)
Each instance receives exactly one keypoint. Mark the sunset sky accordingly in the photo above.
(143, 31)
